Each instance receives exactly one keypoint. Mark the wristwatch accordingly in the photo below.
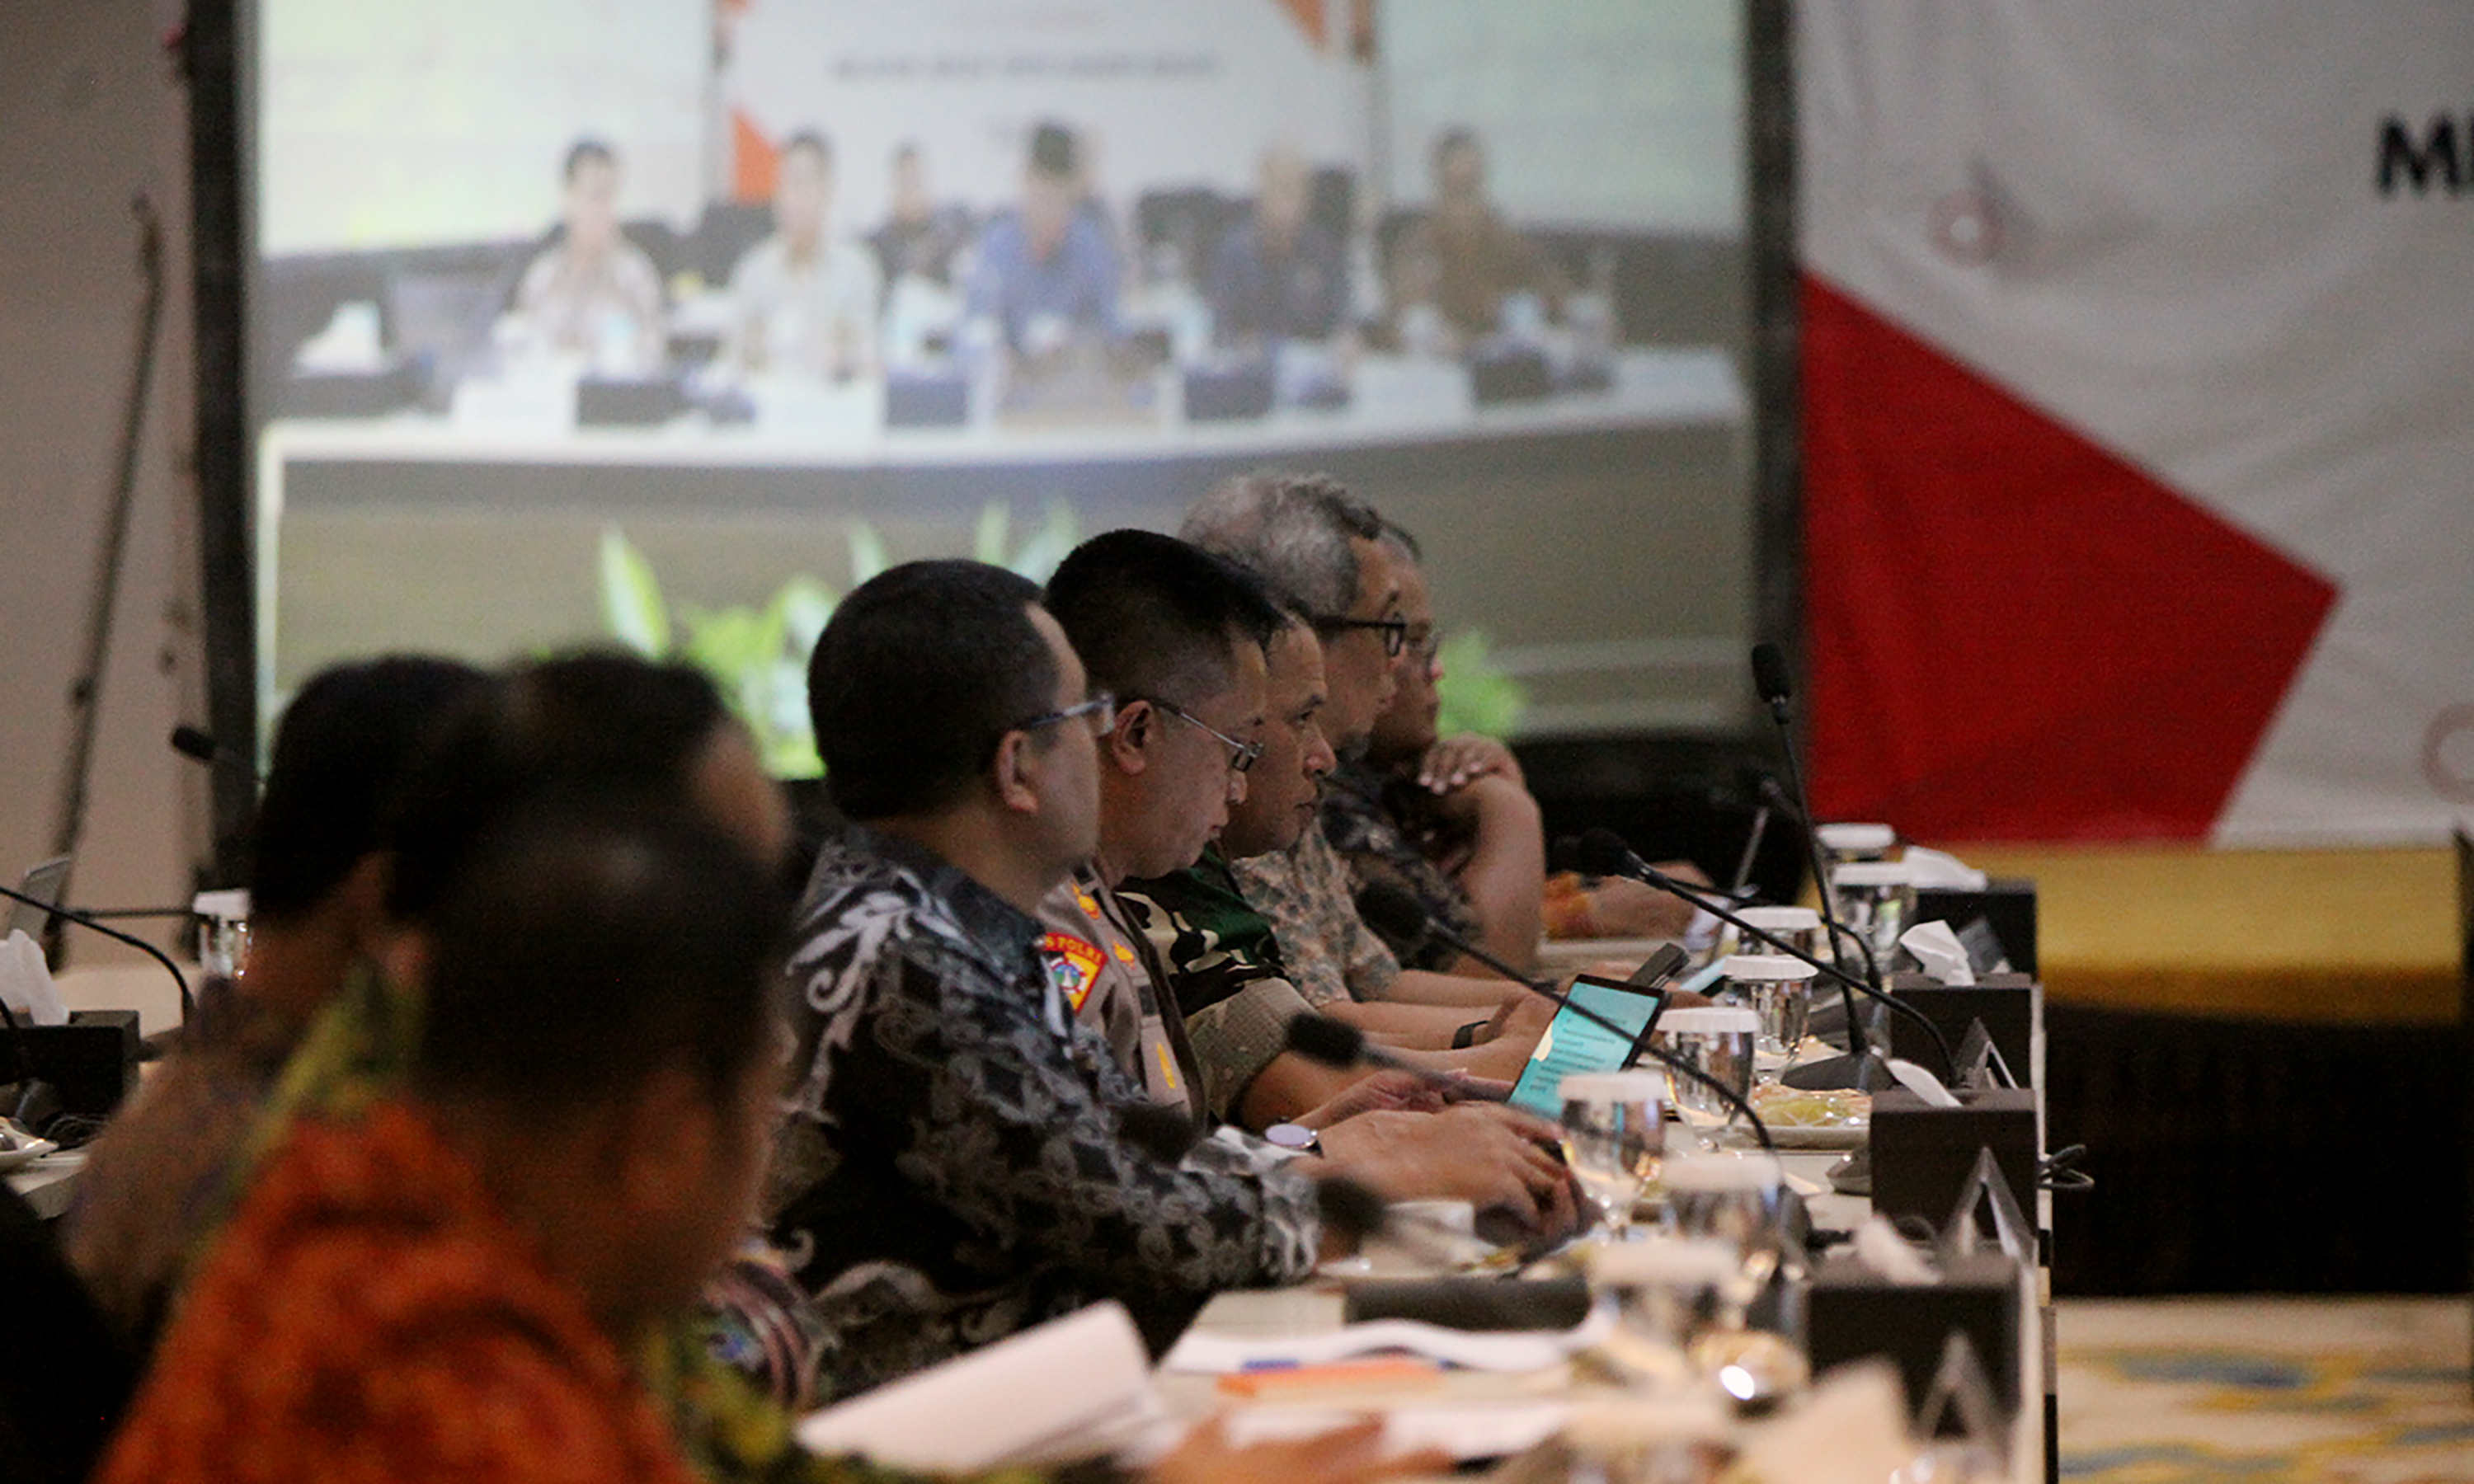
(1296, 1137)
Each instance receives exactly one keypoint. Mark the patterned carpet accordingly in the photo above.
(2263, 1390)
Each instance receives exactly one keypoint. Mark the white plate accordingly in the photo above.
(1828, 1135)
(26, 1153)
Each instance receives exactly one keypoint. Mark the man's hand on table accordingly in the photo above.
(1486, 1154)
(1389, 1090)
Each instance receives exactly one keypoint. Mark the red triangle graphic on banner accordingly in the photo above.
(755, 162)
(2013, 633)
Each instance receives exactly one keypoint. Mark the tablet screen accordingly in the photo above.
(1573, 1043)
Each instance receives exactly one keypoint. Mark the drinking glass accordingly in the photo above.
(1798, 927)
(1613, 1136)
(223, 932)
(1780, 991)
(1739, 1200)
(1875, 900)
(1665, 1292)
(1717, 1041)
(1847, 841)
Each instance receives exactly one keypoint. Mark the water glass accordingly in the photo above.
(1740, 1200)
(1876, 900)
(1798, 927)
(1613, 1136)
(1716, 1041)
(1666, 1296)
(1844, 841)
(1780, 991)
(223, 933)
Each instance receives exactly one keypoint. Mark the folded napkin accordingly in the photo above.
(26, 982)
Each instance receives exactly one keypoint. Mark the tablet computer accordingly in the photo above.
(1574, 1043)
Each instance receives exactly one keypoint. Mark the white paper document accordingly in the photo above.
(1073, 1388)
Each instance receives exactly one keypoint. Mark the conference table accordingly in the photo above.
(1476, 1412)
(46, 1183)
(1466, 1410)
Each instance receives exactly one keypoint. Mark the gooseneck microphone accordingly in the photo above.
(1839, 931)
(1602, 853)
(86, 920)
(1770, 678)
(1840, 934)
(1336, 1043)
(1392, 912)
(199, 745)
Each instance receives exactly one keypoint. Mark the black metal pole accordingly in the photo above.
(86, 692)
(210, 52)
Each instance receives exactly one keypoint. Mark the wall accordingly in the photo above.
(93, 114)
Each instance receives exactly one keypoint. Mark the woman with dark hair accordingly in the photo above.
(317, 886)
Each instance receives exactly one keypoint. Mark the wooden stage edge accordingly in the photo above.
(2351, 936)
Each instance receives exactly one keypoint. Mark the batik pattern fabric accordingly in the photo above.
(1306, 892)
(368, 1315)
(1223, 965)
(1375, 822)
(734, 1427)
(955, 1164)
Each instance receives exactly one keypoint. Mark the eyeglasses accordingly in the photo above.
(1101, 708)
(1241, 755)
(1425, 640)
(1395, 630)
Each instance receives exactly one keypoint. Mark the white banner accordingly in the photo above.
(2231, 245)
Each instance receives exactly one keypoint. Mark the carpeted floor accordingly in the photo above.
(2264, 1391)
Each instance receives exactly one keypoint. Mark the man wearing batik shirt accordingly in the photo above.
(1364, 817)
(955, 1165)
(1319, 547)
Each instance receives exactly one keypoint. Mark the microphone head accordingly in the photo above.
(1392, 912)
(194, 743)
(1349, 1207)
(1325, 1041)
(1601, 853)
(1769, 673)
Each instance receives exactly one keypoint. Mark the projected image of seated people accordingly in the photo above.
(592, 294)
(1048, 271)
(673, 322)
(1463, 272)
(804, 300)
(1279, 274)
(921, 236)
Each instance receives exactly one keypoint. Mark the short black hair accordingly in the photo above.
(595, 938)
(341, 751)
(1053, 151)
(584, 152)
(596, 719)
(1294, 531)
(921, 671)
(811, 140)
(1153, 616)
